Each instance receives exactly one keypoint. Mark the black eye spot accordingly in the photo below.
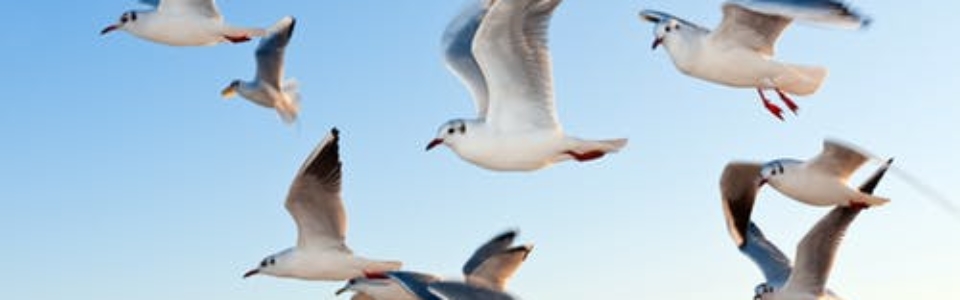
(451, 130)
(273, 262)
(133, 16)
(667, 29)
(463, 128)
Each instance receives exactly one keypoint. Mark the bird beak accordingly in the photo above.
(434, 143)
(761, 182)
(229, 91)
(251, 273)
(656, 43)
(109, 29)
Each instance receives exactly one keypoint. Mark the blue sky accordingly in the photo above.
(125, 175)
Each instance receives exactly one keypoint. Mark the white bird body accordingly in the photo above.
(822, 180)
(182, 23)
(498, 49)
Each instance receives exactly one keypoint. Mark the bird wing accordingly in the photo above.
(462, 291)
(205, 8)
(772, 262)
(314, 199)
(829, 12)
(271, 50)
(738, 189)
(458, 51)
(656, 17)
(838, 159)
(817, 250)
(492, 247)
(750, 29)
(415, 283)
(511, 50)
(496, 270)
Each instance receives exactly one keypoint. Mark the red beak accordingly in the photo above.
(656, 43)
(109, 29)
(434, 143)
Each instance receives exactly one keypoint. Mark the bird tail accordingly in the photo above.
(289, 107)
(802, 80)
(583, 150)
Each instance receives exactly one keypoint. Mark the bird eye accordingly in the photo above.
(450, 130)
(667, 29)
(273, 262)
(263, 263)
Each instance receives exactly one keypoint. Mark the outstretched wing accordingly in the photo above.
(511, 49)
(829, 12)
(271, 50)
(749, 29)
(838, 159)
(314, 199)
(738, 190)
(772, 262)
(458, 51)
(462, 291)
(415, 283)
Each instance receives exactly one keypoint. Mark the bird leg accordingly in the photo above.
(772, 108)
(237, 38)
(858, 204)
(586, 156)
(789, 102)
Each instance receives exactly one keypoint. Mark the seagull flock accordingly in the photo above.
(499, 50)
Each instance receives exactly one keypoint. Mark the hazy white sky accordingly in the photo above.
(125, 176)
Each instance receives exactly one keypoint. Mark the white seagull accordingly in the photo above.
(815, 253)
(315, 204)
(426, 289)
(499, 49)
(739, 53)
(182, 23)
(269, 88)
(821, 181)
(490, 266)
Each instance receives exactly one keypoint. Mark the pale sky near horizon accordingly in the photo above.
(126, 176)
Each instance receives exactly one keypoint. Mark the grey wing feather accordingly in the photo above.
(496, 245)
(153, 3)
(752, 30)
(458, 52)
(656, 16)
(772, 262)
(314, 200)
(270, 53)
(495, 271)
(738, 190)
(830, 12)
(511, 49)
(415, 283)
(462, 291)
(838, 159)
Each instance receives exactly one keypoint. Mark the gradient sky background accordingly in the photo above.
(125, 175)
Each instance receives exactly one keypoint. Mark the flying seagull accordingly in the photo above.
(739, 52)
(499, 49)
(316, 206)
(182, 23)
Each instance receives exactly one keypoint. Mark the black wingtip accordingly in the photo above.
(335, 132)
(868, 186)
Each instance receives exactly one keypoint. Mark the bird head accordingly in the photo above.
(271, 265)
(450, 133)
(128, 17)
(772, 171)
(230, 90)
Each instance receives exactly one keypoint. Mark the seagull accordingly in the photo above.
(445, 290)
(490, 266)
(499, 50)
(821, 181)
(182, 23)
(739, 53)
(315, 204)
(815, 253)
(269, 89)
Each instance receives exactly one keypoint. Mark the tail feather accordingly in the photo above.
(290, 108)
(590, 150)
(875, 201)
(802, 80)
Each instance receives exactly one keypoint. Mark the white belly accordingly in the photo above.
(814, 189)
(181, 31)
(516, 152)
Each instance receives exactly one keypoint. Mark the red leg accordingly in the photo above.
(789, 102)
(237, 39)
(587, 156)
(855, 204)
(772, 108)
(374, 275)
